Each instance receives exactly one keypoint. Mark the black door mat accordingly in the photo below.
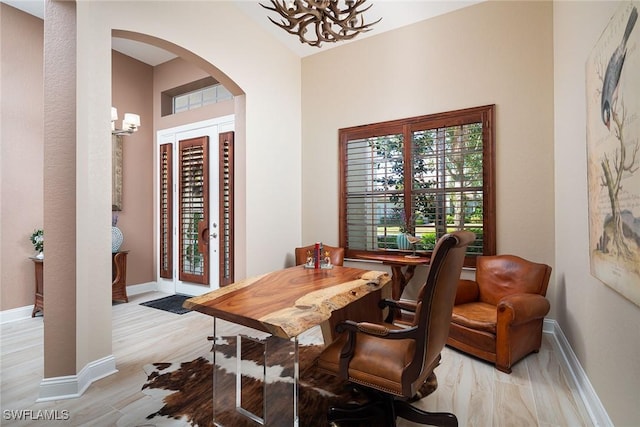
(172, 303)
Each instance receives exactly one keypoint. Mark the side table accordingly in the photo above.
(119, 276)
(399, 278)
(38, 305)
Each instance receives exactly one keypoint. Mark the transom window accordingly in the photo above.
(422, 177)
(200, 97)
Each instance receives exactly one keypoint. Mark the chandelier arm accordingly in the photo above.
(345, 23)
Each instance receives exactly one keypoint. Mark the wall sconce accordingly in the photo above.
(130, 123)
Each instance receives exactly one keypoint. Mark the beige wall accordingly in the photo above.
(271, 135)
(21, 166)
(492, 53)
(175, 73)
(132, 92)
(601, 325)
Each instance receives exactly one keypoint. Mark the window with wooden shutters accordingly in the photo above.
(226, 207)
(166, 211)
(193, 205)
(425, 176)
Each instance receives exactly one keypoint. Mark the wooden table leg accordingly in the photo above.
(398, 281)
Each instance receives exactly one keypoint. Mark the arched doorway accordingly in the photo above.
(159, 123)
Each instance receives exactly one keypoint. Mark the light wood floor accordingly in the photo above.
(537, 393)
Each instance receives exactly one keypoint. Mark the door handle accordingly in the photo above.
(202, 241)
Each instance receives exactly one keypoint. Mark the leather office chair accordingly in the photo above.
(498, 317)
(392, 362)
(336, 254)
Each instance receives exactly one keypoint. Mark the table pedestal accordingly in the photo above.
(255, 377)
(402, 269)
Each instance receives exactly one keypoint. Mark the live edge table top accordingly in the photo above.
(287, 302)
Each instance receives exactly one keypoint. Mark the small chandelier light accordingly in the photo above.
(130, 123)
(328, 20)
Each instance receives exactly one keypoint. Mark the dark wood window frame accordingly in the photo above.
(384, 179)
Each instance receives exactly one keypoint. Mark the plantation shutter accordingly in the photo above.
(373, 185)
(193, 205)
(166, 211)
(424, 176)
(226, 140)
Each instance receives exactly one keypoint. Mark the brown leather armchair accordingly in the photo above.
(336, 254)
(498, 317)
(391, 362)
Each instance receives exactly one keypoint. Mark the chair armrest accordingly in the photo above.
(521, 308)
(375, 329)
(395, 307)
(403, 304)
(468, 291)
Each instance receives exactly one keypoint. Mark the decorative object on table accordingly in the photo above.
(37, 239)
(412, 241)
(304, 254)
(317, 21)
(402, 239)
(116, 235)
(403, 242)
(613, 153)
(319, 258)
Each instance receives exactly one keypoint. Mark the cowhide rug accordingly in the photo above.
(191, 387)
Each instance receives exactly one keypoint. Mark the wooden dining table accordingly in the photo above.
(287, 302)
(276, 308)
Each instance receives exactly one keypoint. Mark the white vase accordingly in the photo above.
(40, 255)
(116, 239)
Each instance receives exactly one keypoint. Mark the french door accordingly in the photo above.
(195, 207)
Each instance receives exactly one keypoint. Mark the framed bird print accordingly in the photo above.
(613, 153)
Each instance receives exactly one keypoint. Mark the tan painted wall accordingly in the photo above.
(491, 53)
(175, 73)
(21, 167)
(271, 135)
(132, 92)
(602, 326)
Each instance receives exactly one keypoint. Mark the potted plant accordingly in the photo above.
(405, 228)
(37, 239)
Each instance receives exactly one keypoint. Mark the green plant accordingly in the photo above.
(428, 241)
(37, 239)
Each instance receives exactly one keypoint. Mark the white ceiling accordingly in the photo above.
(394, 14)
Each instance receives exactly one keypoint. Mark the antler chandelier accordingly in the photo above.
(328, 21)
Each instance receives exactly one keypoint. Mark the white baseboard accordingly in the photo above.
(14, 314)
(72, 386)
(577, 376)
(142, 288)
(20, 313)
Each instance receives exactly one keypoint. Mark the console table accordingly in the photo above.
(118, 280)
(119, 276)
(38, 305)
